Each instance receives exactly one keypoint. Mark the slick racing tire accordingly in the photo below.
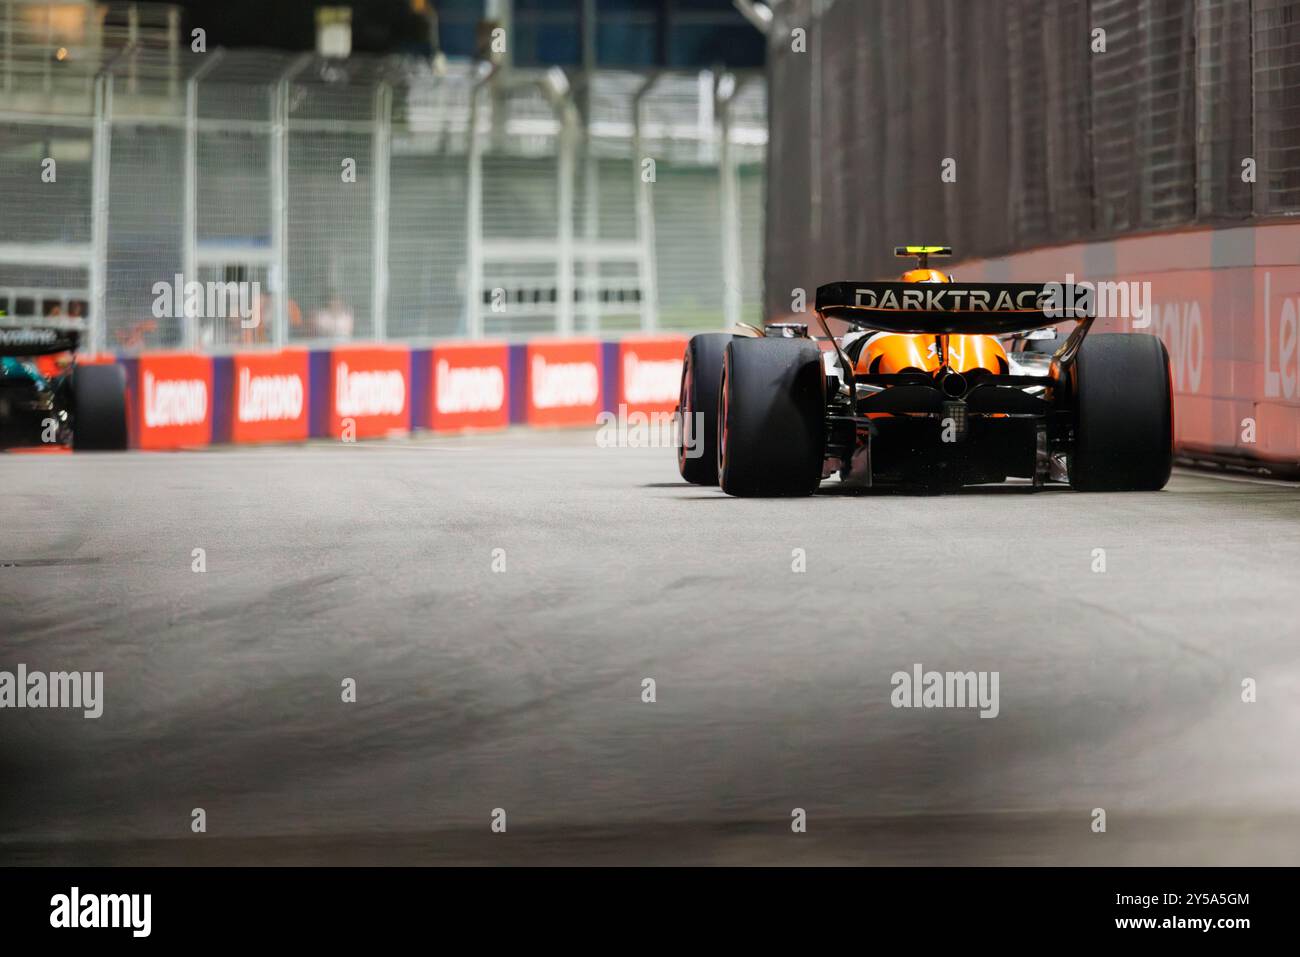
(1124, 425)
(697, 444)
(771, 417)
(98, 408)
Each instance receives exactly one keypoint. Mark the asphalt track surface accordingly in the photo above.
(522, 689)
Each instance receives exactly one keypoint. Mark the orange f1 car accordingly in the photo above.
(931, 383)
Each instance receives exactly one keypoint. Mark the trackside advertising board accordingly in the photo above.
(270, 397)
(563, 380)
(1226, 303)
(173, 400)
(468, 386)
(369, 390)
(650, 373)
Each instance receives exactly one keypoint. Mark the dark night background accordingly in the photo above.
(631, 33)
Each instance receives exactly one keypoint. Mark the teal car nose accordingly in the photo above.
(12, 368)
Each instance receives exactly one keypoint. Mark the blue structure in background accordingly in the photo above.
(630, 34)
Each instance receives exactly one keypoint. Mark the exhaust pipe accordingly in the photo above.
(953, 385)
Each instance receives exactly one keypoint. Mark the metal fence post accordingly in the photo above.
(47, 62)
(380, 155)
(101, 143)
(591, 175)
(132, 42)
(9, 46)
(189, 236)
(474, 217)
(815, 124)
(279, 272)
(647, 261)
(590, 232)
(729, 204)
(280, 198)
(564, 231)
(173, 48)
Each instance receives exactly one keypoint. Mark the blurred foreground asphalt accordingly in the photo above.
(522, 689)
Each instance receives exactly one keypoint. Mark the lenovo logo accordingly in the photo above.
(650, 381)
(1179, 325)
(269, 398)
(170, 402)
(564, 384)
(468, 388)
(1281, 345)
(382, 392)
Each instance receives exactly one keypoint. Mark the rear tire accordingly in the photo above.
(771, 417)
(698, 403)
(99, 408)
(1123, 439)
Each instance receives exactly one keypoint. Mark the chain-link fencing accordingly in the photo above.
(370, 198)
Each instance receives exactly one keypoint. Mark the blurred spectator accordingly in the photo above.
(334, 320)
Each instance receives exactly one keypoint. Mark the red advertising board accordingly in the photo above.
(1273, 381)
(650, 372)
(469, 386)
(173, 400)
(369, 391)
(1226, 303)
(270, 402)
(563, 381)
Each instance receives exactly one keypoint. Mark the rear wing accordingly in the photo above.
(972, 308)
(37, 340)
